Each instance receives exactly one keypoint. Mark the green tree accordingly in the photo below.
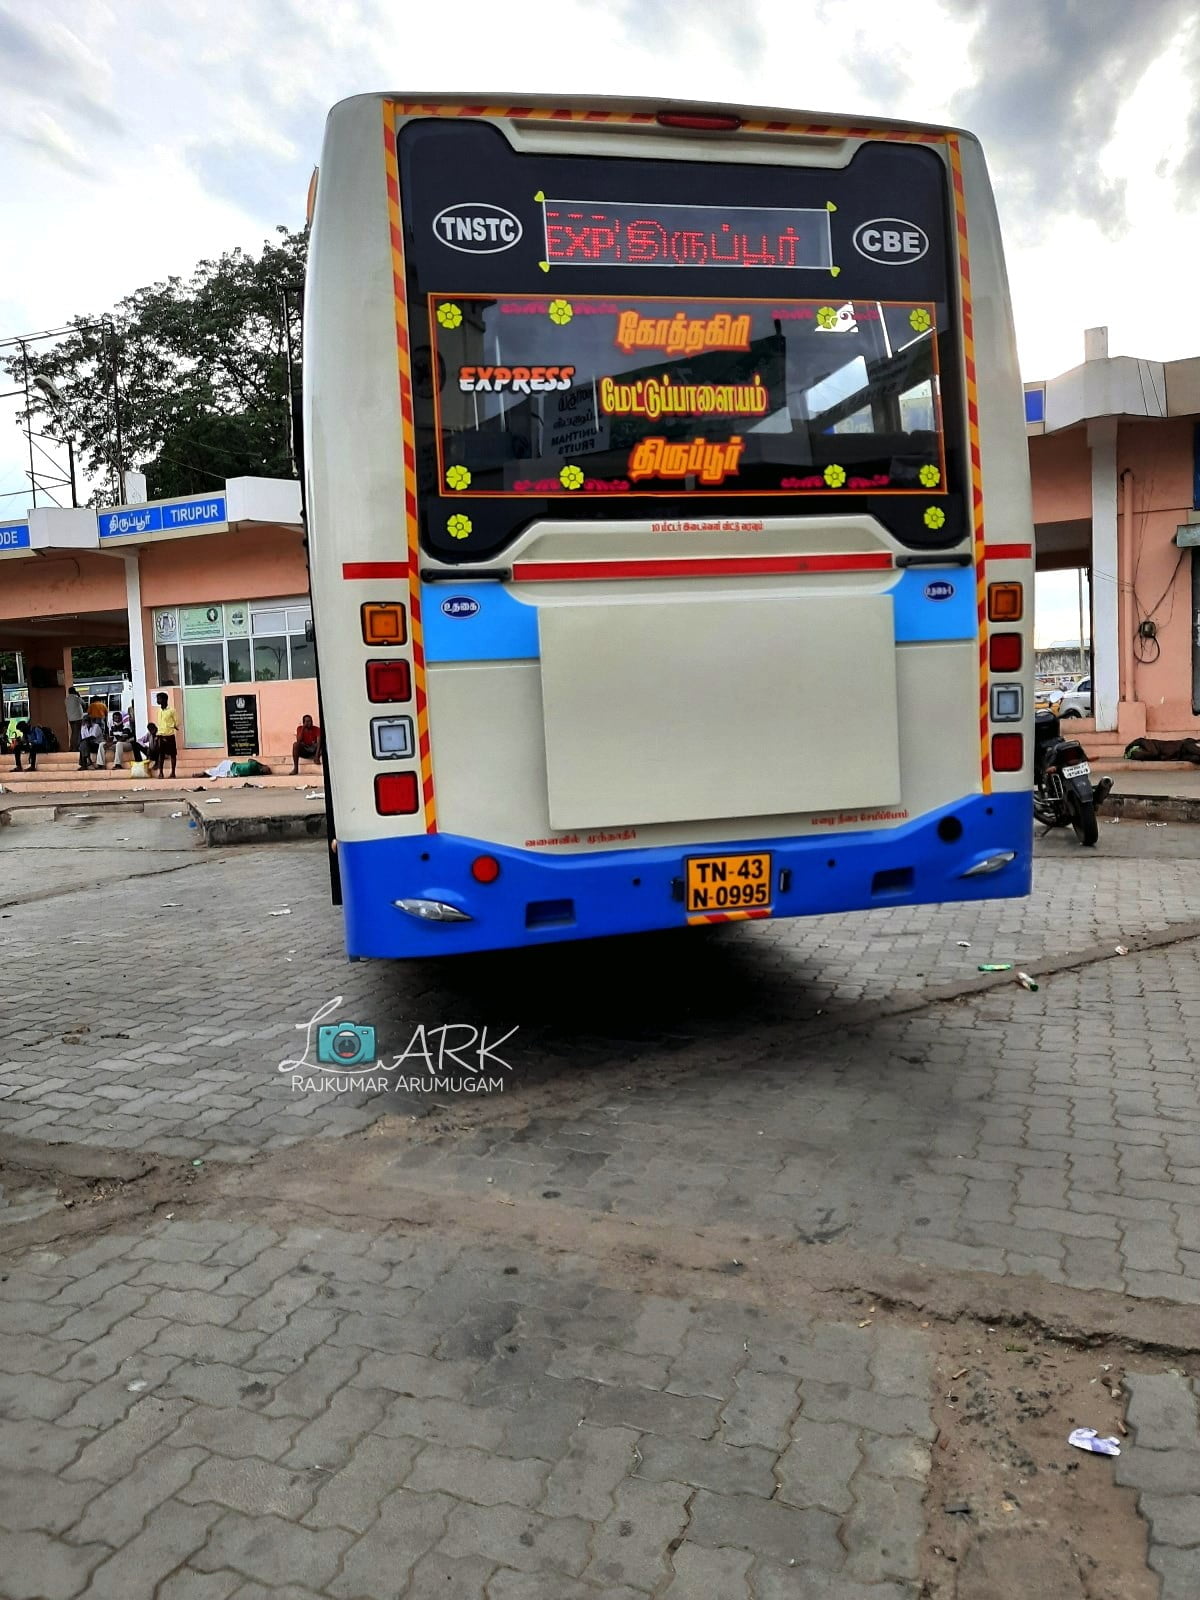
(201, 376)
(100, 661)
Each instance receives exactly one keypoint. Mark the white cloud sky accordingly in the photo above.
(138, 135)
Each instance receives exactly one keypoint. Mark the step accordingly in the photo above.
(147, 787)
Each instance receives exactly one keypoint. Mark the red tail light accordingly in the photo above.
(485, 869)
(397, 794)
(1008, 752)
(697, 123)
(388, 681)
(1004, 652)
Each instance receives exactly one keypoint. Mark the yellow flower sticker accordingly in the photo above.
(930, 477)
(835, 477)
(460, 477)
(450, 315)
(571, 478)
(935, 517)
(561, 312)
(458, 526)
(919, 320)
(826, 317)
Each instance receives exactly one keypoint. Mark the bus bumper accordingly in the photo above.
(538, 898)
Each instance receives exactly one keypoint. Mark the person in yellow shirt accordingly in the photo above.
(168, 727)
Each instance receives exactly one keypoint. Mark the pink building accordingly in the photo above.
(210, 591)
(1114, 448)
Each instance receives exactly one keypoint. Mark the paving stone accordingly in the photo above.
(883, 1530)
(517, 1538)
(617, 1367)
(1162, 1412)
(270, 1550)
(189, 1584)
(439, 1577)
(900, 1362)
(631, 1546)
(723, 1468)
(444, 1422)
(795, 1583)
(351, 1497)
(417, 1377)
(1159, 1471)
(895, 1458)
(33, 1501)
(24, 1396)
(116, 1452)
(760, 1410)
(40, 1446)
(583, 1482)
(482, 1479)
(1172, 1519)
(39, 1567)
(408, 1527)
(816, 1468)
(891, 1414)
(235, 1433)
(777, 1532)
(650, 1411)
(703, 1574)
(506, 1584)
(705, 1366)
(1179, 1570)
(254, 1487)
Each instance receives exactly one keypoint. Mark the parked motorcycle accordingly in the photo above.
(1063, 791)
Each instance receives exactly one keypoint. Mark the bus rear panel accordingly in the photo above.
(669, 520)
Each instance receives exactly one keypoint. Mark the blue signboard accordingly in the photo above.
(1035, 405)
(14, 536)
(173, 516)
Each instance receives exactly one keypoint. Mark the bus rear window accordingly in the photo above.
(578, 397)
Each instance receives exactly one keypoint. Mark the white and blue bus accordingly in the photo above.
(669, 519)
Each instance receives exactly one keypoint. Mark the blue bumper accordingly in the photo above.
(542, 899)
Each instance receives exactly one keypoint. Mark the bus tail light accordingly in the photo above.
(485, 869)
(697, 122)
(1006, 602)
(1004, 652)
(397, 794)
(388, 682)
(1008, 752)
(384, 624)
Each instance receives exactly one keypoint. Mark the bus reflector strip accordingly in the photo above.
(749, 915)
(699, 567)
(352, 570)
(1009, 552)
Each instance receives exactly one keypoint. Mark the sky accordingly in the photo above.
(138, 136)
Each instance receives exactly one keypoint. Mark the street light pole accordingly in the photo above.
(116, 386)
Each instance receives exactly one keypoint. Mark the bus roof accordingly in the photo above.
(488, 100)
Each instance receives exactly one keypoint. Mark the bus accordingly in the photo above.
(669, 519)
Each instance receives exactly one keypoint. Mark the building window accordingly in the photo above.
(234, 643)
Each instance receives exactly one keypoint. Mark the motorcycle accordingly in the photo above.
(1062, 778)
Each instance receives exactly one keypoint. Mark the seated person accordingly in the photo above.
(28, 742)
(91, 742)
(307, 744)
(124, 739)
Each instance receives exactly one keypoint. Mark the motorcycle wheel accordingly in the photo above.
(1083, 820)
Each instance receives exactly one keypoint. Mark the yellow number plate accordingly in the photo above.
(727, 883)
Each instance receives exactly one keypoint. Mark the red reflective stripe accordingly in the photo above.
(1009, 552)
(375, 569)
(697, 567)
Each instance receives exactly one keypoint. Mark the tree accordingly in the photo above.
(201, 377)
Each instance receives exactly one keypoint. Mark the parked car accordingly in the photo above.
(1075, 701)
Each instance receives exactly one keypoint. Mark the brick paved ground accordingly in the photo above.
(196, 1410)
(347, 1414)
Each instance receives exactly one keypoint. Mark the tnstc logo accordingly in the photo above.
(891, 241)
(477, 228)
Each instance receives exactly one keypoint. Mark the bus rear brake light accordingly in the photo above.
(1008, 752)
(388, 681)
(694, 122)
(384, 624)
(485, 869)
(1004, 652)
(1005, 602)
(397, 794)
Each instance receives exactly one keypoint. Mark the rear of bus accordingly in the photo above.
(670, 528)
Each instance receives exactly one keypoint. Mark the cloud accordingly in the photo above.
(51, 67)
(1051, 77)
(656, 26)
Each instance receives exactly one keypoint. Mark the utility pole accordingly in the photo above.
(116, 386)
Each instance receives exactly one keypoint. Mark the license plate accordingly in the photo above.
(728, 883)
(1079, 770)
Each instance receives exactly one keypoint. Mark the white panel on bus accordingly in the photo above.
(718, 708)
